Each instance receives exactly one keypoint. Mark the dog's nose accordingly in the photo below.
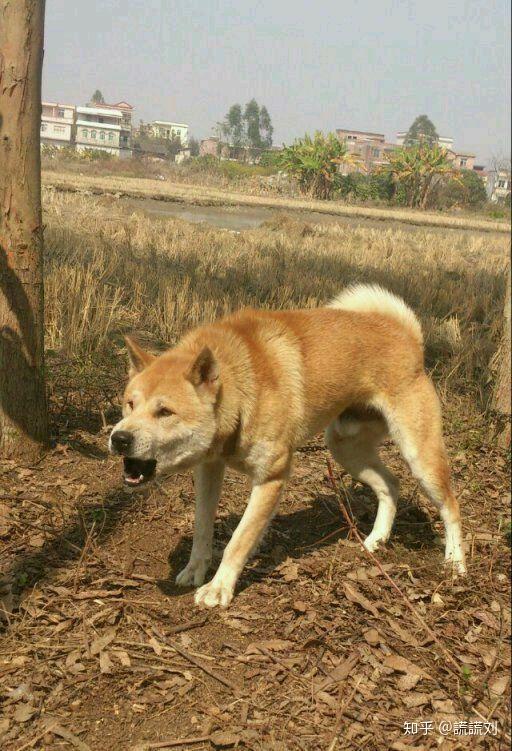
(121, 441)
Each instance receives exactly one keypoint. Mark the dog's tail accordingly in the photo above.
(371, 298)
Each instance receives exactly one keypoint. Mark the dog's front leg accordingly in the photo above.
(262, 505)
(208, 479)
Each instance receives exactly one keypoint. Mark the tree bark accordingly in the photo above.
(23, 410)
(502, 392)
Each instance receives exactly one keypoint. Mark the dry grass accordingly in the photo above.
(210, 196)
(106, 275)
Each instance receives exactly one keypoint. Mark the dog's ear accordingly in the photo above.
(138, 358)
(205, 370)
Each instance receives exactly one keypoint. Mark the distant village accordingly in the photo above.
(109, 128)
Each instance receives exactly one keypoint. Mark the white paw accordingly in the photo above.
(193, 573)
(217, 592)
(372, 543)
(456, 565)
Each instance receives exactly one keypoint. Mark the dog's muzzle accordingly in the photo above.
(138, 471)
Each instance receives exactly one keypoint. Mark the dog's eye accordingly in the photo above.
(164, 412)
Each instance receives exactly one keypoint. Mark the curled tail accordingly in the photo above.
(371, 298)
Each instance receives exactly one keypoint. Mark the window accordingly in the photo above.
(93, 134)
(43, 126)
(110, 136)
(58, 129)
(61, 113)
(502, 183)
(102, 135)
(375, 152)
(463, 162)
(85, 133)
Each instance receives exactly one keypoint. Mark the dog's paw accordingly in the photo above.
(373, 543)
(218, 592)
(456, 567)
(193, 573)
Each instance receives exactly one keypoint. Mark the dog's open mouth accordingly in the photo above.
(138, 471)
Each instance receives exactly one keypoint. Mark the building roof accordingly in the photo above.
(120, 105)
(360, 132)
(99, 111)
(57, 104)
(167, 122)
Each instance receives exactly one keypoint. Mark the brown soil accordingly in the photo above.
(317, 651)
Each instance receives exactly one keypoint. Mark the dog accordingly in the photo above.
(247, 390)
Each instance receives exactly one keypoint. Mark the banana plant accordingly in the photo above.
(419, 169)
(314, 162)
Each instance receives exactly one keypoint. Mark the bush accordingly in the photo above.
(377, 186)
(468, 190)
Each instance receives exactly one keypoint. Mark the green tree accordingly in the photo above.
(97, 97)
(421, 131)
(193, 145)
(235, 124)
(417, 171)
(252, 124)
(266, 128)
(466, 189)
(314, 162)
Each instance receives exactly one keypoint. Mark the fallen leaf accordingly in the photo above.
(354, 595)
(372, 636)
(223, 738)
(5, 520)
(274, 645)
(105, 663)
(408, 681)
(340, 672)
(416, 699)
(401, 665)
(498, 684)
(99, 644)
(24, 712)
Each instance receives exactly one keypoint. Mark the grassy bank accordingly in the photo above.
(207, 195)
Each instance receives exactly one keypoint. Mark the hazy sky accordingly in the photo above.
(370, 65)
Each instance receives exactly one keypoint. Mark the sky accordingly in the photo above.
(372, 65)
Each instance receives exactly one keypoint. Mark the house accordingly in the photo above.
(57, 124)
(369, 150)
(166, 129)
(461, 160)
(213, 146)
(499, 185)
(127, 111)
(100, 128)
(444, 141)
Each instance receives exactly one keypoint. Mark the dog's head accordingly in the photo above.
(169, 412)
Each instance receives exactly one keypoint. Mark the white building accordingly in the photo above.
(57, 124)
(499, 185)
(166, 129)
(102, 128)
(444, 141)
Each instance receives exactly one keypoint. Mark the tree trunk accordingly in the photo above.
(502, 393)
(23, 412)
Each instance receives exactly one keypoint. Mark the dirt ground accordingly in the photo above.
(318, 650)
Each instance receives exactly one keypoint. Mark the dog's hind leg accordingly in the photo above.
(414, 422)
(353, 441)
